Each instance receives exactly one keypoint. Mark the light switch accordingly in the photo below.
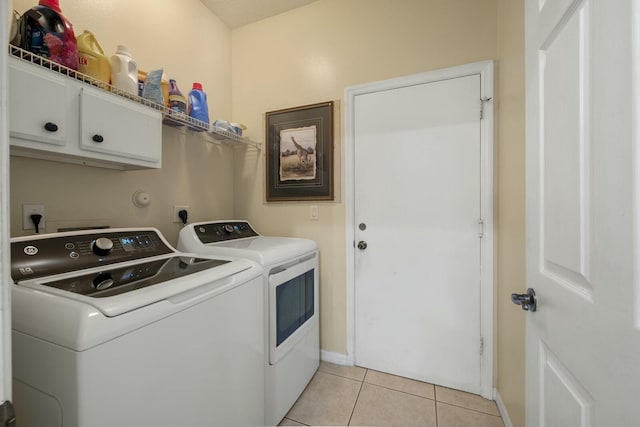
(314, 213)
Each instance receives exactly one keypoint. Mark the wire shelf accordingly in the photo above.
(169, 117)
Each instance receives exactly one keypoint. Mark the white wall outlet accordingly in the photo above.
(27, 211)
(176, 209)
(313, 213)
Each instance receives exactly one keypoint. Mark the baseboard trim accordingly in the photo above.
(503, 411)
(337, 358)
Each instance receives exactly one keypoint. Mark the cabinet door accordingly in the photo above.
(38, 106)
(117, 127)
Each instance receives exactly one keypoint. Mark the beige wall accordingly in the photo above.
(510, 206)
(191, 44)
(311, 54)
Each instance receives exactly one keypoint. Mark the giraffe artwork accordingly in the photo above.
(298, 154)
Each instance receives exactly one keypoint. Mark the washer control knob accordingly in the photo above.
(102, 246)
(228, 228)
(102, 281)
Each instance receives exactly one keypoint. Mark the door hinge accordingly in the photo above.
(482, 102)
(481, 232)
(481, 346)
(7, 414)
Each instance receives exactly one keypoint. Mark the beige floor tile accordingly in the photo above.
(400, 383)
(380, 406)
(353, 372)
(328, 400)
(288, 422)
(454, 416)
(466, 400)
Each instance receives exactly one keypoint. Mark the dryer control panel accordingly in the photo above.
(60, 253)
(214, 232)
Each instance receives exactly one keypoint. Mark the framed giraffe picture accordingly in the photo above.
(300, 153)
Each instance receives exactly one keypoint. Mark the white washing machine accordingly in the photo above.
(116, 328)
(290, 268)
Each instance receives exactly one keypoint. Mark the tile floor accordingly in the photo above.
(343, 395)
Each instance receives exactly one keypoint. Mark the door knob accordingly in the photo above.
(362, 245)
(527, 301)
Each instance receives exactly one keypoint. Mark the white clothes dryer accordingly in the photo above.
(290, 269)
(115, 327)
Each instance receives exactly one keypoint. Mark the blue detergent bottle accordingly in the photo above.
(198, 108)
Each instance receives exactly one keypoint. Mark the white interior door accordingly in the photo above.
(417, 182)
(583, 342)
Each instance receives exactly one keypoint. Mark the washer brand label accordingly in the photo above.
(30, 250)
(26, 270)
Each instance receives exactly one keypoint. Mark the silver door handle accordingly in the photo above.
(362, 245)
(527, 301)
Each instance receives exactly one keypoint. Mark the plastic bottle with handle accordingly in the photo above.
(198, 108)
(92, 60)
(124, 71)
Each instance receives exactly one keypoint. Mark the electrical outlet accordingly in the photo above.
(177, 209)
(27, 211)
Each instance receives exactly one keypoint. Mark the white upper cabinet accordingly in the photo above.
(114, 126)
(58, 118)
(38, 105)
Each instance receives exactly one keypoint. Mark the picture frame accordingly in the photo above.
(299, 156)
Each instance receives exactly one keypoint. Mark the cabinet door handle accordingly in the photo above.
(51, 127)
(97, 138)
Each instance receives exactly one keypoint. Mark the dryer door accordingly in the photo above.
(293, 306)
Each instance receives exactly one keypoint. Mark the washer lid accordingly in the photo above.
(125, 287)
(265, 250)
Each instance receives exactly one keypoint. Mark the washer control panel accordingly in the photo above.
(117, 279)
(214, 232)
(53, 254)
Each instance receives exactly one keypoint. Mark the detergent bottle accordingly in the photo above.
(92, 60)
(198, 108)
(124, 71)
(46, 32)
(177, 102)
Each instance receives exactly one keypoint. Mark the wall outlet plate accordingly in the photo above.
(27, 211)
(177, 209)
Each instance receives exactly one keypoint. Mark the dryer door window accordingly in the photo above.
(294, 305)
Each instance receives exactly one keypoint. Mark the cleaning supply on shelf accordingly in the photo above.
(142, 76)
(226, 126)
(152, 89)
(164, 84)
(92, 60)
(237, 128)
(14, 34)
(198, 108)
(46, 32)
(124, 71)
(177, 101)
(177, 106)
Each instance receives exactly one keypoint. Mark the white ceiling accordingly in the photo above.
(236, 13)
